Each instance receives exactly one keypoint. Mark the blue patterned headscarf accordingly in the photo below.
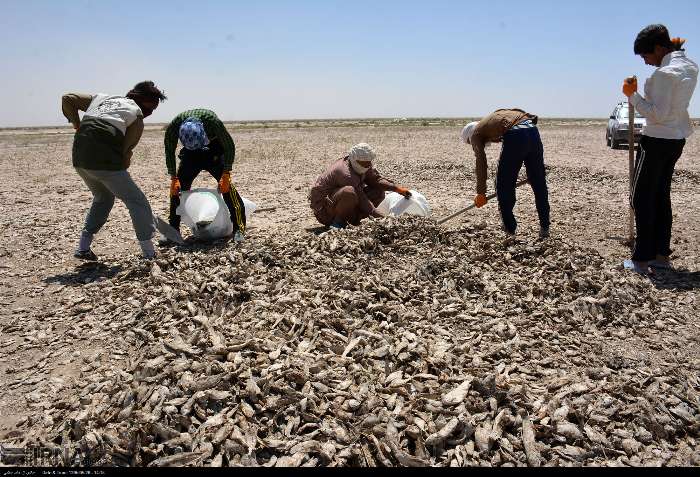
(192, 134)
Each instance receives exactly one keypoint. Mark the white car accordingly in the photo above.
(618, 126)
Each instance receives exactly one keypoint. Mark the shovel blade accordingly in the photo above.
(168, 232)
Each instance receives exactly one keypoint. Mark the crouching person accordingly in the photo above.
(351, 189)
(102, 148)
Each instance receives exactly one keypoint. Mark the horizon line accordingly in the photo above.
(306, 120)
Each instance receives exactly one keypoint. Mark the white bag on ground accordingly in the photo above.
(249, 209)
(395, 204)
(206, 214)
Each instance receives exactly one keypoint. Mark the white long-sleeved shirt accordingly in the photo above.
(667, 96)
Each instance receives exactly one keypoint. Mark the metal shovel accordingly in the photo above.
(466, 209)
(168, 232)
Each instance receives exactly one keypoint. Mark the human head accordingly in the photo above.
(468, 131)
(653, 43)
(361, 157)
(192, 134)
(147, 96)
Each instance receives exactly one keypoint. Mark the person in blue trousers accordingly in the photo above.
(517, 131)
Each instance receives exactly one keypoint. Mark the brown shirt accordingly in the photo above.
(341, 174)
(74, 102)
(491, 129)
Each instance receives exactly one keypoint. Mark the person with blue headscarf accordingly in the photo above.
(206, 146)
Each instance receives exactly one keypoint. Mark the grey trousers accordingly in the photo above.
(105, 186)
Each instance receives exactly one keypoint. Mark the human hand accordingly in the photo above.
(678, 43)
(225, 183)
(174, 186)
(480, 200)
(629, 87)
(403, 191)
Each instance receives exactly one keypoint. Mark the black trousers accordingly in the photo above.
(521, 146)
(651, 196)
(210, 159)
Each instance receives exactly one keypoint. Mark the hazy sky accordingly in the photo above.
(331, 59)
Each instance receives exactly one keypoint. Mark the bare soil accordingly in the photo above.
(46, 343)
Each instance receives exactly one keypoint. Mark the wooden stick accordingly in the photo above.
(630, 223)
(466, 209)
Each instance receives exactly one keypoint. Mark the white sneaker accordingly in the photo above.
(636, 267)
(238, 237)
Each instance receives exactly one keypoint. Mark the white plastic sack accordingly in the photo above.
(395, 204)
(249, 209)
(205, 213)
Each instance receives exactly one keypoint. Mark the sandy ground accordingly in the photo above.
(43, 203)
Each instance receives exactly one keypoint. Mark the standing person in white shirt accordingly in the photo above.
(665, 103)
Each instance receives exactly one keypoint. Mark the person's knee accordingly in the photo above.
(103, 199)
(376, 196)
(136, 201)
(539, 186)
(347, 196)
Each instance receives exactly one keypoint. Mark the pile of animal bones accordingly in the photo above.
(393, 343)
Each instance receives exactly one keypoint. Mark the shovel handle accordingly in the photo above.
(630, 142)
(470, 207)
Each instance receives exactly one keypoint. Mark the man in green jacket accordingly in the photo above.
(207, 145)
(104, 140)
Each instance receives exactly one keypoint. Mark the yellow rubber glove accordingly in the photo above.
(480, 200)
(403, 191)
(629, 87)
(225, 183)
(174, 186)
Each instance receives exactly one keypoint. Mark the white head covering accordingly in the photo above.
(468, 131)
(361, 152)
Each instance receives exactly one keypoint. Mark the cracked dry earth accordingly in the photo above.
(398, 342)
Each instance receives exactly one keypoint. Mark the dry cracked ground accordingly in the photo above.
(399, 342)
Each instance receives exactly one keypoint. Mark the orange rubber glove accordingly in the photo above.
(678, 43)
(225, 183)
(480, 200)
(629, 87)
(174, 186)
(403, 191)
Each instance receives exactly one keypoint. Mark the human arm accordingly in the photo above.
(658, 106)
(170, 142)
(226, 141)
(71, 103)
(374, 179)
(131, 138)
(478, 145)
